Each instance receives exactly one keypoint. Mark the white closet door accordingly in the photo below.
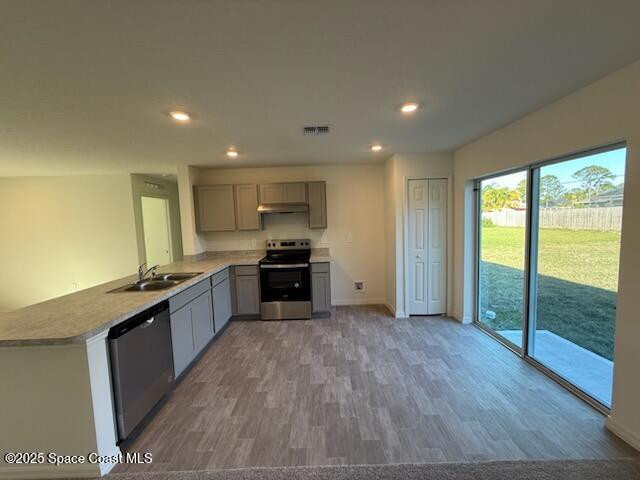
(427, 246)
(418, 268)
(437, 248)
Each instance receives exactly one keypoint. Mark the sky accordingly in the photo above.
(614, 160)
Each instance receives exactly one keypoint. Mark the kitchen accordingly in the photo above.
(269, 239)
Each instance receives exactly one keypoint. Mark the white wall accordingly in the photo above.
(398, 170)
(604, 112)
(355, 206)
(61, 231)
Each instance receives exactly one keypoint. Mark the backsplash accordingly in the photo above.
(275, 226)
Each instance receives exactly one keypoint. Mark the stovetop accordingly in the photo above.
(286, 256)
(287, 251)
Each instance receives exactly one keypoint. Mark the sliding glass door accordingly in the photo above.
(501, 248)
(570, 228)
(577, 215)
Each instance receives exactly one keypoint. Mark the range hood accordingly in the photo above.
(283, 208)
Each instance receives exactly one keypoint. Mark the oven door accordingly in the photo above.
(285, 282)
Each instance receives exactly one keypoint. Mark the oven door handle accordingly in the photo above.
(289, 265)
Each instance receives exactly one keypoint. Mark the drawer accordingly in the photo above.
(184, 297)
(216, 278)
(246, 270)
(320, 267)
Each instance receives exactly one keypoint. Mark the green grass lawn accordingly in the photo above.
(577, 283)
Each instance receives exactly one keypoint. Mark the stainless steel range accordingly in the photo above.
(285, 280)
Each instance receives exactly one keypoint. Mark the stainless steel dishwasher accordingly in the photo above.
(141, 365)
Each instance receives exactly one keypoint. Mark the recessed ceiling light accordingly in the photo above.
(180, 117)
(376, 148)
(409, 107)
(232, 153)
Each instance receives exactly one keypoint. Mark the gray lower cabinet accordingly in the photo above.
(182, 339)
(202, 318)
(191, 324)
(221, 304)
(320, 288)
(247, 290)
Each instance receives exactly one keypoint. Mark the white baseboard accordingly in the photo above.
(624, 433)
(401, 314)
(35, 472)
(391, 308)
(359, 301)
(466, 319)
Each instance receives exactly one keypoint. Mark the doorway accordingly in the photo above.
(157, 230)
(427, 256)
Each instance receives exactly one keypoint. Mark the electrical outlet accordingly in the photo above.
(358, 286)
(74, 286)
(253, 243)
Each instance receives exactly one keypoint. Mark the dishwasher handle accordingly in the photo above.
(143, 320)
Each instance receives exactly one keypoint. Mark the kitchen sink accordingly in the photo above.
(161, 281)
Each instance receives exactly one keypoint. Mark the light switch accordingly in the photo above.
(349, 237)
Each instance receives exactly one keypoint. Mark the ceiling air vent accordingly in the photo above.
(316, 130)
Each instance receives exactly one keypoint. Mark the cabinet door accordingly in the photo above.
(215, 208)
(221, 304)
(182, 339)
(321, 292)
(271, 193)
(295, 192)
(317, 205)
(247, 295)
(247, 207)
(202, 319)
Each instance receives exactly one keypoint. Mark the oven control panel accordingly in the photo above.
(300, 244)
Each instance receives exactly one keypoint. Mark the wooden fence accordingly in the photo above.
(600, 218)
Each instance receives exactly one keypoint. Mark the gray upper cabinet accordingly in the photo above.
(271, 193)
(320, 288)
(246, 203)
(295, 192)
(215, 208)
(317, 204)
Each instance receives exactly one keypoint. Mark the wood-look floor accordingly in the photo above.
(361, 387)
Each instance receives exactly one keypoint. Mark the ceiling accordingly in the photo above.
(85, 85)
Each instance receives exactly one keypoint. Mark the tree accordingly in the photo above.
(550, 189)
(495, 198)
(522, 190)
(593, 178)
(574, 197)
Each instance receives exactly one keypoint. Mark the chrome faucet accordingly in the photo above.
(142, 273)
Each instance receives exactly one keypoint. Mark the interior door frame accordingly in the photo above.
(404, 312)
(167, 204)
(531, 245)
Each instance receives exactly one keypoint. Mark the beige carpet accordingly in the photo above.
(618, 469)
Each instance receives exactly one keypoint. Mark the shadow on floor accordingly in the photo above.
(582, 314)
